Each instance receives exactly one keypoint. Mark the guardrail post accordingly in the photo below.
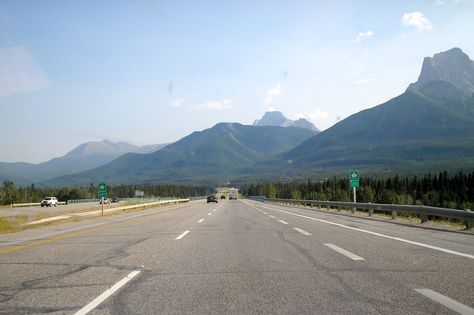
(394, 215)
(371, 211)
(424, 218)
(328, 207)
(338, 208)
(469, 223)
(353, 210)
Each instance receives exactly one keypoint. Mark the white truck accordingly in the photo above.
(49, 202)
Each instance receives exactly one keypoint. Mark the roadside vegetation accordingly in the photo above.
(438, 190)
(9, 193)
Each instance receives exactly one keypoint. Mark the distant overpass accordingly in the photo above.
(226, 192)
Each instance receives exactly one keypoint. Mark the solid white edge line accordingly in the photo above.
(446, 301)
(200, 220)
(182, 235)
(101, 298)
(284, 222)
(271, 216)
(343, 252)
(210, 213)
(264, 212)
(378, 234)
(302, 231)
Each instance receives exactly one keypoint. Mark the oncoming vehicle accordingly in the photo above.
(114, 200)
(212, 198)
(49, 202)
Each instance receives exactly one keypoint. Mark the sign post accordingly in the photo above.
(354, 179)
(102, 194)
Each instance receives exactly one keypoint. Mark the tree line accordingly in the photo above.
(438, 190)
(9, 193)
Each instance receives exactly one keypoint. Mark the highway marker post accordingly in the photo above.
(354, 180)
(102, 193)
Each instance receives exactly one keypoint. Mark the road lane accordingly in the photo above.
(398, 264)
(67, 274)
(237, 260)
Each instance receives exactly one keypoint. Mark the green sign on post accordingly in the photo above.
(102, 190)
(354, 178)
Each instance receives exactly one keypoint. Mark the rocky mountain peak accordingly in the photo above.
(452, 66)
(276, 118)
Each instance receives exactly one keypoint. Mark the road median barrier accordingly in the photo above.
(116, 209)
(32, 204)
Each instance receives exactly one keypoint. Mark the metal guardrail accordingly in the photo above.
(467, 216)
(73, 201)
(32, 204)
(116, 209)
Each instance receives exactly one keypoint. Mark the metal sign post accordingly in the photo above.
(102, 194)
(354, 179)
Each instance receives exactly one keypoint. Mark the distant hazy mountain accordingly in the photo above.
(430, 126)
(276, 118)
(206, 155)
(83, 157)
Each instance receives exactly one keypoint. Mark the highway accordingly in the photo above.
(236, 257)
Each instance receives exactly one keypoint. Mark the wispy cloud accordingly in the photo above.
(214, 105)
(418, 20)
(363, 81)
(315, 116)
(271, 94)
(19, 71)
(363, 36)
(179, 102)
(439, 2)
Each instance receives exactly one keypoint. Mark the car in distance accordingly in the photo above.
(212, 198)
(105, 200)
(114, 200)
(49, 202)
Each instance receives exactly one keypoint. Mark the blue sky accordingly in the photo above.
(150, 72)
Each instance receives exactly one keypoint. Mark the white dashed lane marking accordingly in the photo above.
(182, 235)
(344, 252)
(446, 301)
(101, 298)
(302, 231)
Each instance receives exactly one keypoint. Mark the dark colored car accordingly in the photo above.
(212, 198)
(114, 200)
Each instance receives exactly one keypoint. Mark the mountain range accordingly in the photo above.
(428, 128)
(207, 156)
(84, 157)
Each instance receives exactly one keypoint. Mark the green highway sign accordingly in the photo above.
(102, 190)
(354, 178)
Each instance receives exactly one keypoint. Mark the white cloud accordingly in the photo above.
(271, 94)
(363, 36)
(439, 2)
(315, 116)
(363, 81)
(19, 71)
(215, 105)
(317, 77)
(179, 102)
(418, 20)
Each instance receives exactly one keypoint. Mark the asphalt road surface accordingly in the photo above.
(236, 257)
